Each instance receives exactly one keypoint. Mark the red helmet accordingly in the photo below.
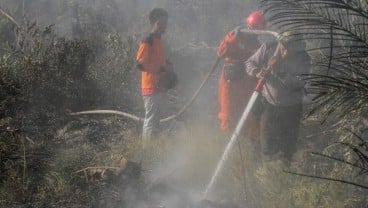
(255, 20)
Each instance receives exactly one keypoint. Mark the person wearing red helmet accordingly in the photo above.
(235, 86)
(256, 20)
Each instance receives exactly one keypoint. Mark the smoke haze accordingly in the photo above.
(194, 30)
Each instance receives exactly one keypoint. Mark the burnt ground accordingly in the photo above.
(150, 178)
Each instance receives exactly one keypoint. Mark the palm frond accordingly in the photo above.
(321, 16)
(340, 29)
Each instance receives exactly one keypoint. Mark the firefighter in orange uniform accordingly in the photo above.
(235, 86)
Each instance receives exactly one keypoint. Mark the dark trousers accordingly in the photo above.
(279, 127)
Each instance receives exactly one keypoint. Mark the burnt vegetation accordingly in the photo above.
(49, 158)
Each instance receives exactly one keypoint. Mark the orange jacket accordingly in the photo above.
(237, 46)
(150, 58)
(233, 96)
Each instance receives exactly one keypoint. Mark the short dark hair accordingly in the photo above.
(157, 13)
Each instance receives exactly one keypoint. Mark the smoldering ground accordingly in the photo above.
(186, 162)
(39, 160)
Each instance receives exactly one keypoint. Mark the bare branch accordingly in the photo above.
(9, 17)
(328, 179)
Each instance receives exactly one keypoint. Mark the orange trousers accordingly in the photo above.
(233, 96)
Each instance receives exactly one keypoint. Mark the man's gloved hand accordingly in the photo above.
(261, 73)
(271, 62)
(270, 66)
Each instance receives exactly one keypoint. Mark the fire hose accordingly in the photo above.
(139, 119)
(239, 125)
(235, 134)
(184, 108)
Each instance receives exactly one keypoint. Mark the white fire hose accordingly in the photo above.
(183, 109)
(243, 118)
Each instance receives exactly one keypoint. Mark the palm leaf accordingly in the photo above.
(340, 27)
